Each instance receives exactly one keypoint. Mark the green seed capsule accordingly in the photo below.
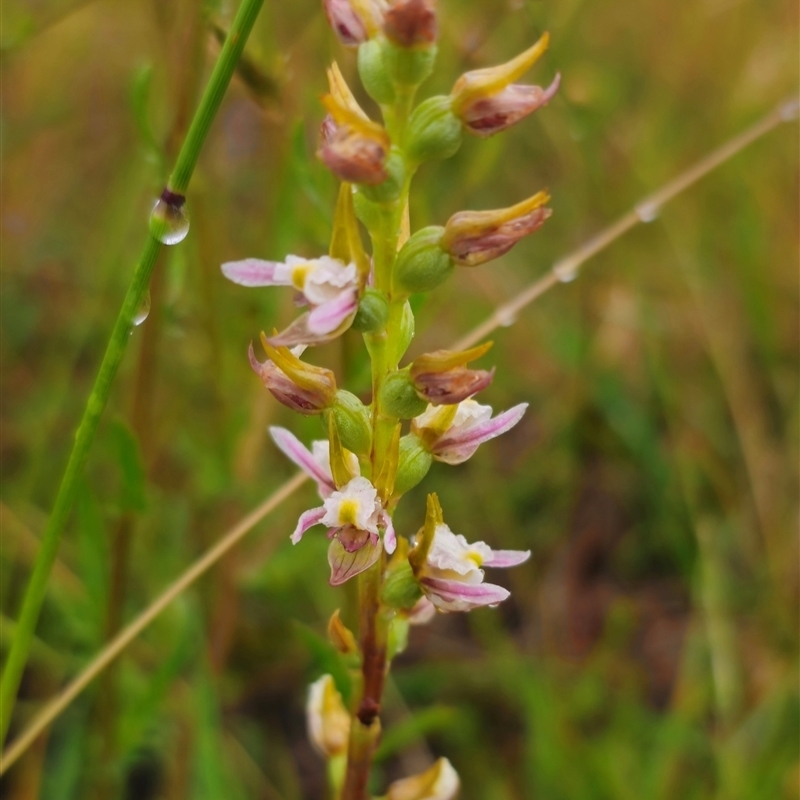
(434, 131)
(399, 398)
(409, 66)
(391, 188)
(373, 72)
(414, 463)
(373, 311)
(352, 422)
(422, 264)
(400, 589)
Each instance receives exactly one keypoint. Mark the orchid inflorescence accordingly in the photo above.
(366, 462)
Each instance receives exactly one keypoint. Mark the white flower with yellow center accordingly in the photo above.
(449, 568)
(328, 285)
(453, 437)
(355, 504)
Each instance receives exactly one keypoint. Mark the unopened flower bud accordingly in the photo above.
(422, 264)
(488, 101)
(413, 465)
(348, 26)
(489, 115)
(400, 588)
(373, 311)
(353, 422)
(374, 73)
(440, 782)
(475, 237)
(399, 397)
(353, 147)
(327, 718)
(302, 387)
(353, 156)
(341, 637)
(434, 131)
(411, 23)
(442, 378)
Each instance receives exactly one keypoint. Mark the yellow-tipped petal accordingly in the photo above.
(341, 636)
(440, 782)
(474, 223)
(306, 376)
(485, 82)
(340, 91)
(443, 360)
(327, 718)
(384, 481)
(344, 115)
(340, 469)
(433, 517)
(346, 243)
(370, 13)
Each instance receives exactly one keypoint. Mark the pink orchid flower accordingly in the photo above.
(353, 514)
(327, 285)
(472, 425)
(451, 576)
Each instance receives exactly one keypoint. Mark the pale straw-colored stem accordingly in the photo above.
(502, 316)
(127, 635)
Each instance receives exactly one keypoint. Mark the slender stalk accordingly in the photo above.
(365, 722)
(126, 636)
(184, 167)
(37, 586)
(786, 112)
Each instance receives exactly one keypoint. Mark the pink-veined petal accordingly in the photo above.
(299, 454)
(299, 333)
(345, 565)
(457, 596)
(252, 272)
(327, 317)
(506, 558)
(389, 537)
(422, 612)
(458, 447)
(308, 519)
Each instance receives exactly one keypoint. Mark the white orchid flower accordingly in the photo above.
(327, 285)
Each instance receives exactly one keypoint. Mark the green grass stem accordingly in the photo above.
(115, 350)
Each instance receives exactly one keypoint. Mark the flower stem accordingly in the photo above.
(115, 350)
(365, 723)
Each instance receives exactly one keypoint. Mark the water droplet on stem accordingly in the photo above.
(566, 271)
(647, 211)
(169, 220)
(144, 309)
(790, 110)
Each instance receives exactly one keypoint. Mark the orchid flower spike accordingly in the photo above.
(448, 567)
(440, 782)
(488, 101)
(327, 285)
(452, 434)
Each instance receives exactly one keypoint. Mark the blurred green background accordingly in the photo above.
(650, 648)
